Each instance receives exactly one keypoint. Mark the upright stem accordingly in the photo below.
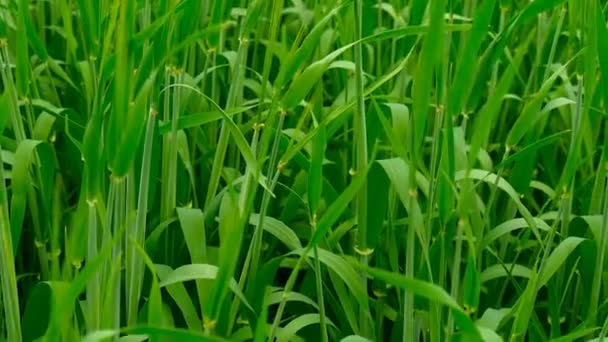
(93, 287)
(118, 222)
(320, 300)
(10, 295)
(169, 157)
(273, 172)
(455, 275)
(234, 93)
(360, 132)
(288, 287)
(135, 265)
(258, 234)
(599, 260)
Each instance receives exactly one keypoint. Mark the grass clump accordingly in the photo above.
(400, 170)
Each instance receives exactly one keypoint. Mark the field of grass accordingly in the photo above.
(304, 170)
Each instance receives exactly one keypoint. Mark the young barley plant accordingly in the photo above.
(294, 170)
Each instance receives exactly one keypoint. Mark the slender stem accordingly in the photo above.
(245, 269)
(172, 159)
(117, 223)
(93, 287)
(408, 307)
(288, 287)
(222, 146)
(135, 264)
(600, 256)
(455, 279)
(165, 203)
(171, 114)
(218, 164)
(10, 295)
(254, 252)
(381, 298)
(360, 132)
(320, 300)
(258, 234)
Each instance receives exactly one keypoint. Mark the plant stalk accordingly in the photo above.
(360, 132)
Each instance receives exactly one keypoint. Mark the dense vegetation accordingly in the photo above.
(404, 170)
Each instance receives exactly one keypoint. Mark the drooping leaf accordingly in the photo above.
(431, 292)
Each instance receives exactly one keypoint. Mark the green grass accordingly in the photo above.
(294, 170)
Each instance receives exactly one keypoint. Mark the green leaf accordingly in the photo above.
(78, 284)
(411, 30)
(192, 222)
(336, 209)
(531, 10)
(505, 270)
(279, 230)
(315, 173)
(466, 67)
(237, 135)
(531, 112)
(6, 107)
(303, 83)
(155, 304)
(25, 157)
(354, 338)
(307, 48)
(492, 318)
(200, 119)
(230, 232)
(501, 183)
(398, 171)
(92, 155)
(133, 338)
(157, 333)
(486, 117)
(150, 30)
(184, 153)
(178, 292)
(277, 296)
(431, 292)
(131, 134)
(578, 334)
(602, 53)
(535, 8)
(100, 335)
(510, 226)
(260, 328)
(533, 147)
(44, 126)
(378, 185)
(557, 258)
(432, 50)
(252, 18)
(472, 285)
(522, 311)
(489, 335)
(197, 271)
(343, 269)
(291, 329)
(38, 309)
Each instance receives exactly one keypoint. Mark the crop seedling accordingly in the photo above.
(301, 170)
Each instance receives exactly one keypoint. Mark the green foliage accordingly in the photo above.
(295, 170)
